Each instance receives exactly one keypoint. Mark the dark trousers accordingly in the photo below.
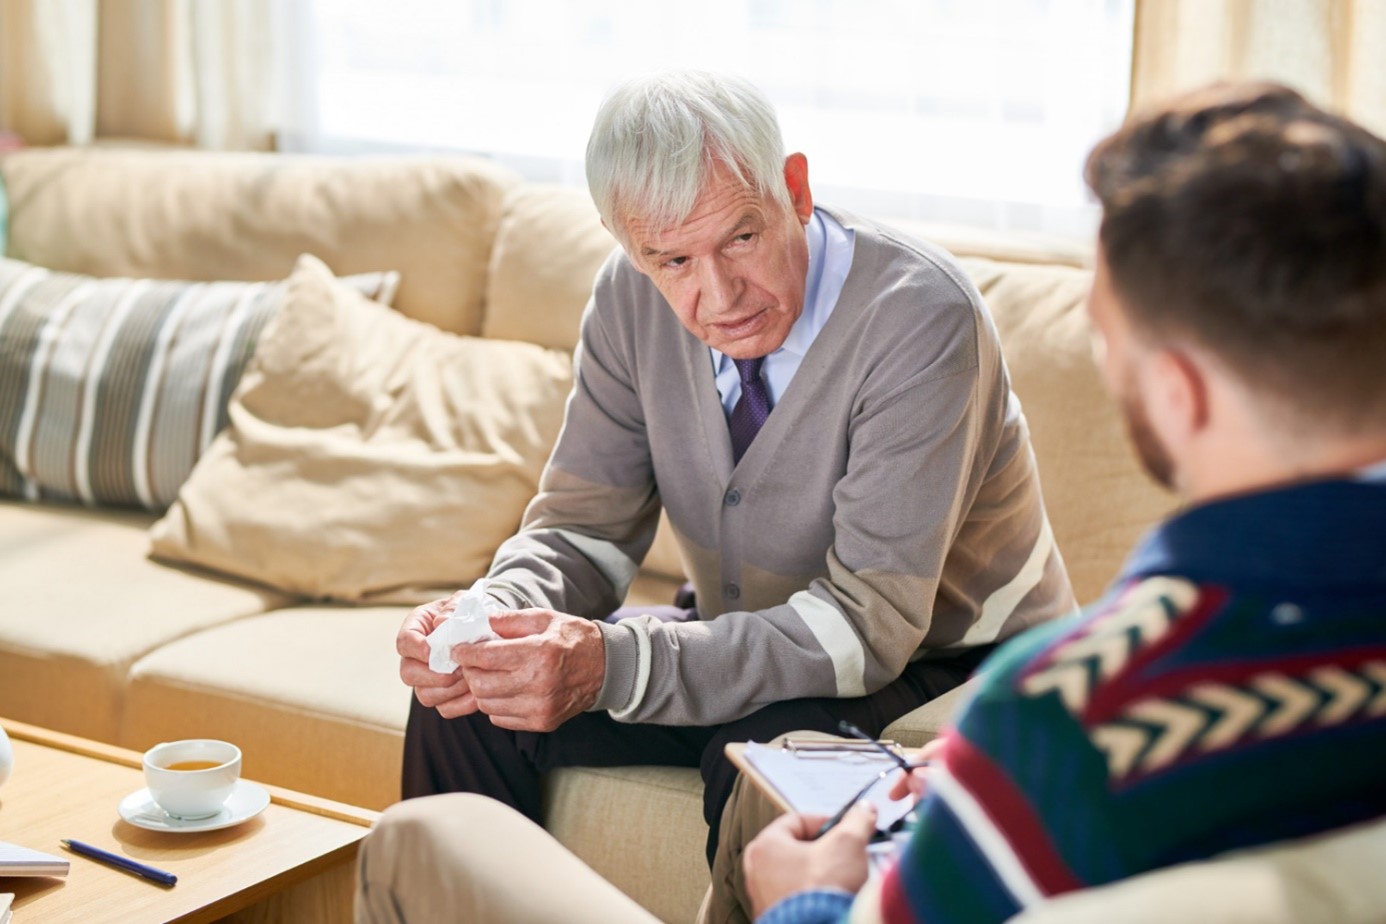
(469, 754)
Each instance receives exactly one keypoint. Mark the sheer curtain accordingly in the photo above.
(48, 70)
(198, 72)
(975, 111)
(1331, 50)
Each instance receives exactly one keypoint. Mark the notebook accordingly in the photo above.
(6, 899)
(21, 861)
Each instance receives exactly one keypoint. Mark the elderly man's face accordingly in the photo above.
(734, 270)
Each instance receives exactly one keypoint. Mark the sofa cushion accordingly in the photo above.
(81, 603)
(110, 389)
(1332, 877)
(368, 453)
(4, 216)
(634, 825)
(549, 246)
(212, 215)
(1098, 499)
(311, 695)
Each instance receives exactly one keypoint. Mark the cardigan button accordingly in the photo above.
(733, 591)
(732, 498)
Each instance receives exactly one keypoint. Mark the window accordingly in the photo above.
(972, 111)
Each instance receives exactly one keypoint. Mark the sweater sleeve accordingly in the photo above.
(582, 537)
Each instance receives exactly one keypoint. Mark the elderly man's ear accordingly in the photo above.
(797, 181)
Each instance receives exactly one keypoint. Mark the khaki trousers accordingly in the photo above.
(466, 858)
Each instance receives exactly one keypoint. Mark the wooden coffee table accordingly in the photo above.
(293, 862)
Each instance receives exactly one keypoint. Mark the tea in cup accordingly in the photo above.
(193, 778)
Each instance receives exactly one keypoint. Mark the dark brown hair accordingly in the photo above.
(1246, 218)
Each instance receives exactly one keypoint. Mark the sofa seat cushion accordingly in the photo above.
(311, 695)
(215, 215)
(82, 602)
(634, 825)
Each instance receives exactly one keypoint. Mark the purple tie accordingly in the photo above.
(752, 408)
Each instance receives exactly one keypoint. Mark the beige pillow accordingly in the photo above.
(368, 454)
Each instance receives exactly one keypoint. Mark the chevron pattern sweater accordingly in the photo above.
(1230, 691)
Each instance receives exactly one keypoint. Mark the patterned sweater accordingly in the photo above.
(1230, 691)
(889, 507)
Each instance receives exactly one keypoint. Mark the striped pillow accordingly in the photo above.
(110, 389)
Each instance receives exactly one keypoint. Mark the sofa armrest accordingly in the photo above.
(1329, 877)
(917, 728)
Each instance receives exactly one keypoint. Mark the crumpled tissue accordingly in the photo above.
(470, 621)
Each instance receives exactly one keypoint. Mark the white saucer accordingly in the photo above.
(246, 801)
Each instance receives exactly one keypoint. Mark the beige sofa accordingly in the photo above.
(98, 639)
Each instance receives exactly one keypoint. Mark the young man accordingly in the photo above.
(1231, 688)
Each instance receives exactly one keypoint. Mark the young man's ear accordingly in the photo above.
(1182, 397)
(797, 181)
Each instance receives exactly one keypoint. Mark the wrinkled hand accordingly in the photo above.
(448, 693)
(782, 860)
(545, 668)
(913, 783)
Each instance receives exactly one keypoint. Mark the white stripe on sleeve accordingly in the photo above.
(834, 633)
(1002, 602)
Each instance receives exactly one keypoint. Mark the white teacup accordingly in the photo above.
(192, 778)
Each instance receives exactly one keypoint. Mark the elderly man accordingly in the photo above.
(1231, 689)
(821, 407)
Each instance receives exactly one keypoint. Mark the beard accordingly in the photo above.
(1153, 455)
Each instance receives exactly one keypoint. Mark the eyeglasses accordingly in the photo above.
(900, 764)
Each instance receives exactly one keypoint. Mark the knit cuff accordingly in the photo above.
(627, 668)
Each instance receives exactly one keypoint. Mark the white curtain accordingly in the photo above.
(48, 70)
(1333, 51)
(196, 72)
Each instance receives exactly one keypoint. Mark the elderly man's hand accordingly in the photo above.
(545, 668)
(448, 693)
(783, 860)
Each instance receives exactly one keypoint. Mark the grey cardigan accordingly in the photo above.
(889, 508)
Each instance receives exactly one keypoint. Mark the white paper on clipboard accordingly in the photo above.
(821, 785)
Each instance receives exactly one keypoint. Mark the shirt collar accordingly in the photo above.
(1375, 472)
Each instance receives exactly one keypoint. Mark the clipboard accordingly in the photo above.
(816, 785)
(736, 753)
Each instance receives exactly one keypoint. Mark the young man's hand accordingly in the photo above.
(783, 859)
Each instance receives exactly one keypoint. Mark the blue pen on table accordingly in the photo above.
(111, 859)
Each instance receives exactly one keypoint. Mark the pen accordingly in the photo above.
(847, 728)
(130, 866)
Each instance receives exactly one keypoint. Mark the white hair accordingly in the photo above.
(656, 139)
